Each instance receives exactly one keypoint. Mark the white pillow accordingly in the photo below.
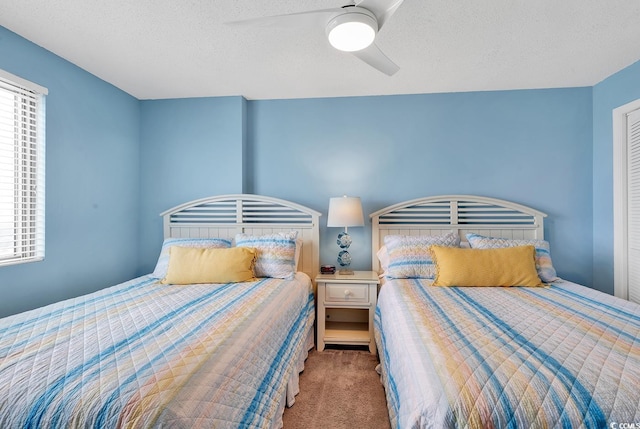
(297, 254)
(383, 257)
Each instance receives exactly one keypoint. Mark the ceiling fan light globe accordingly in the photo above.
(352, 31)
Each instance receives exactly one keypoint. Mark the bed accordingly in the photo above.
(554, 355)
(148, 354)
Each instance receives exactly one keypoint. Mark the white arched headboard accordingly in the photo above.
(224, 216)
(460, 214)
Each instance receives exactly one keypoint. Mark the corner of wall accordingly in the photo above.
(247, 151)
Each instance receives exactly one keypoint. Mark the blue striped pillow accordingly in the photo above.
(409, 256)
(276, 253)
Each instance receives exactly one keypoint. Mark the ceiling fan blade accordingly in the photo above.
(377, 59)
(301, 19)
(382, 9)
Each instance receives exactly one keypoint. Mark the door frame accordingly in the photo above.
(620, 207)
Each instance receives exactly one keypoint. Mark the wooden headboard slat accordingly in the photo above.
(461, 214)
(224, 216)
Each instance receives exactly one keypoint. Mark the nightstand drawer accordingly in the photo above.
(347, 292)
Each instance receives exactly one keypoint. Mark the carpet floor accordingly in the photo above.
(339, 389)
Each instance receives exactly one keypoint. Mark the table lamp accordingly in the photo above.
(345, 212)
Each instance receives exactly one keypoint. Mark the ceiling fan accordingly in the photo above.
(351, 28)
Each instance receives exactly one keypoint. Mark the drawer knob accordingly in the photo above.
(347, 292)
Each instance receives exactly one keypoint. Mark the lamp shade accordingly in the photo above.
(345, 211)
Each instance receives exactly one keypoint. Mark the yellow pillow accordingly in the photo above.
(189, 265)
(509, 266)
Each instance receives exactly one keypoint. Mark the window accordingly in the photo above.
(22, 119)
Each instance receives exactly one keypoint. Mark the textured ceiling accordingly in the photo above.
(172, 49)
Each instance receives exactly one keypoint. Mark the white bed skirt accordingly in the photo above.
(293, 385)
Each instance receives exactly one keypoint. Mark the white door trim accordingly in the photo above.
(620, 247)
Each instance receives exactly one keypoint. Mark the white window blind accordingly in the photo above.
(633, 204)
(22, 162)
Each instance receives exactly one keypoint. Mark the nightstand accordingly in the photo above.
(346, 305)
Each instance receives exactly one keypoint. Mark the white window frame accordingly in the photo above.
(22, 237)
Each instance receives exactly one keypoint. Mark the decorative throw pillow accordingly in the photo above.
(506, 266)
(276, 253)
(409, 255)
(163, 261)
(189, 265)
(544, 266)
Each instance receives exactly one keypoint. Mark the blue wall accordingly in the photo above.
(114, 163)
(531, 147)
(92, 182)
(615, 91)
(190, 149)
